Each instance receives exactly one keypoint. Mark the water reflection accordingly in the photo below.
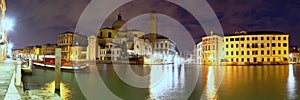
(65, 92)
(291, 85)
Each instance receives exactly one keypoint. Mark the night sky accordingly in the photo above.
(39, 22)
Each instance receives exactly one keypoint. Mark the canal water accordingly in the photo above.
(136, 82)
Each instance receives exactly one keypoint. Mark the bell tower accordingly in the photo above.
(153, 29)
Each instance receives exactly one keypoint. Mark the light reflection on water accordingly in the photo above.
(65, 92)
(291, 84)
(238, 83)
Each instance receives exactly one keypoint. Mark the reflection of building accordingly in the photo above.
(212, 46)
(264, 47)
(67, 40)
(294, 55)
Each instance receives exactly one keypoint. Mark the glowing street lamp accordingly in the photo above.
(7, 24)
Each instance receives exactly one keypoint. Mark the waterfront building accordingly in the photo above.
(294, 55)
(259, 47)
(165, 50)
(3, 33)
(212, 49)
(78, 53)
(199, 53)
(111, 52)
(68, 39)
(48, 49)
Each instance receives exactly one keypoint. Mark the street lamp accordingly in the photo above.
(7, 24)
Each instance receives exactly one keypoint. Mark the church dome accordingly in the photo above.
(117, 25)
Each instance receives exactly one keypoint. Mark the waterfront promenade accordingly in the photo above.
(8, 90)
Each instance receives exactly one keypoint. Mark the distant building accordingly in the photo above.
(165, 49)
(199, 49)
(294, 54)
(48, 49)
(261, 47)
(67, 40)
(212, 49)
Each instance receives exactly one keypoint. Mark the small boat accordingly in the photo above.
(65, 65)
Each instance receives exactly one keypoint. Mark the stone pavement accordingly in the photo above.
(8, 90)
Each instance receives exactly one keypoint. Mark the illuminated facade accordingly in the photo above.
(262, 47)
(67, 40)
(294, 55)
(3, 33)
(165, 50)
(48, 49)
(199, 53)
(212, 50)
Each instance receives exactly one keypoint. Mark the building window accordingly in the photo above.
(274, 59)
(274, 52)
(273, 38)
(231, 60)
(231, 45)
(161, 45)
(268, 59)
(268, 44)
(268, 52)
(226, 45)
(262, 59)
(109, 34)
(284, 52)
(242, 52)
(279, 45)
(279, 38)
(268, 38)
(284, 44)
(262, 38)
(279, 52)
(231, 52)
(242, 45)
(101, 34)
(226, 40)
(273, 45)
(231, 39)
(237, 52)
(284, 38)
(262, 45)
(237, 59)
(242, 59)
(248, 52)
(248, 59)
(237, 45)
(248, 46)
(226, 52)
(166, 45)
(242, 39)
(248, 38)
(262, 52)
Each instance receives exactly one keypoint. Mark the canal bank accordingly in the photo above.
(11, 87)
(8, 90)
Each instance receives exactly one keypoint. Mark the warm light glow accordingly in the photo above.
(7, 24)
(65, 93)
(10, 45)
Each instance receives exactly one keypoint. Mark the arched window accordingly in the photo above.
(101, 34)
(109, 34)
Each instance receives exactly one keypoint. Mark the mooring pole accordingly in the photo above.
(57, 70)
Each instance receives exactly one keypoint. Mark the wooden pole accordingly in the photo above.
(57, 69)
